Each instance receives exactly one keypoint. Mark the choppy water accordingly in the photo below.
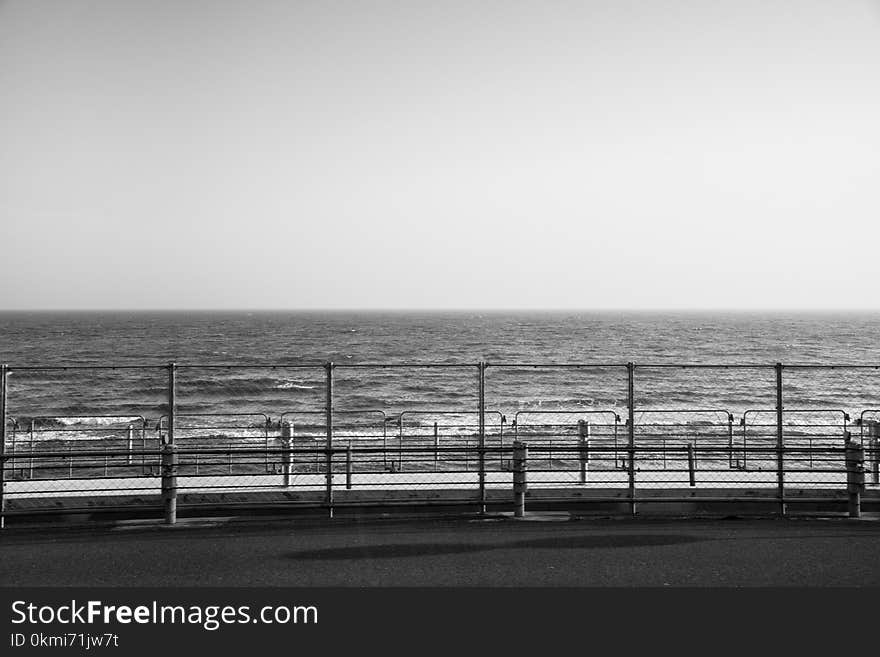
(276, 338)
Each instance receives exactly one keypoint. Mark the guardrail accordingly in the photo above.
(331, 451)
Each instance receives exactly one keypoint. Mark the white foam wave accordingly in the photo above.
(97, 421)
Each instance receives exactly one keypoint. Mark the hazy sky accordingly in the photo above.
(173, 154)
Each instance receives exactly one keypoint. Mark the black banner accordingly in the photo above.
(414, 620)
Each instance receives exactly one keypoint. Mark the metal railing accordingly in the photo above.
(441, 455)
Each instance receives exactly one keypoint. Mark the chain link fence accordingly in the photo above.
(130, 436)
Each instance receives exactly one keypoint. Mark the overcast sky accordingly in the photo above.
(363, 154)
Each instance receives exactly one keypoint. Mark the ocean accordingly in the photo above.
(255, 341)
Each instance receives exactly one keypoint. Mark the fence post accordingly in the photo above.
(501, 443)
(169, 481)
(481, 368)
(630, 404)
(144, 447)
(584, 448)
(3, 390)
(520, 467)
(436, 445)
(691, 474)
(130, 459)
(286, 455)
(31, 452)
(266, 428)
(169, 455)
(348, 466)
(780, 442)
(855, 476)
(730, 440)
(399, 443)
(328, 368)
(875, 470)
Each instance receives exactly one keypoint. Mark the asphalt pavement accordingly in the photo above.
(458, 552)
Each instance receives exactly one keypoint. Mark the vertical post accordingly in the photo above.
(3, 390)
(348, 466)
(501, 443)
(520, 466)
(730, 440)
(31, 452)
(780, 442)
(328, 368)
(266, 436)
(691, 473)
(172, 400)
(436, 445)
(481, 368)
(616, 427)
(286, 456)
(855, 476)
(584, 448)
(384, 441)
(169, 481)
(631, 410)
(399, 442)
(168, 453)
(144, 447)
(130, 444)
(875, 469)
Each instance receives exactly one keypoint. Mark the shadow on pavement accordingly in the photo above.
(397, 550)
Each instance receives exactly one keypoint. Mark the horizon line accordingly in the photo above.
(797, 310)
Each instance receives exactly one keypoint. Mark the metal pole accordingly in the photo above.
(31, 456)
(3, 394)
(584, 448)
(780, 442)
(875, 469)
(855, 477)
(399, 444)
(481, 368)
(286, 456)
(130, 443)
(169, 481)
(348, 466)
(169, 455)
(520, 466)
(630, 403)
(501, 443)
(328, 368)
(436, 445)
(729, 440)
(266, 437)
(691, 474)
(172, 400)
